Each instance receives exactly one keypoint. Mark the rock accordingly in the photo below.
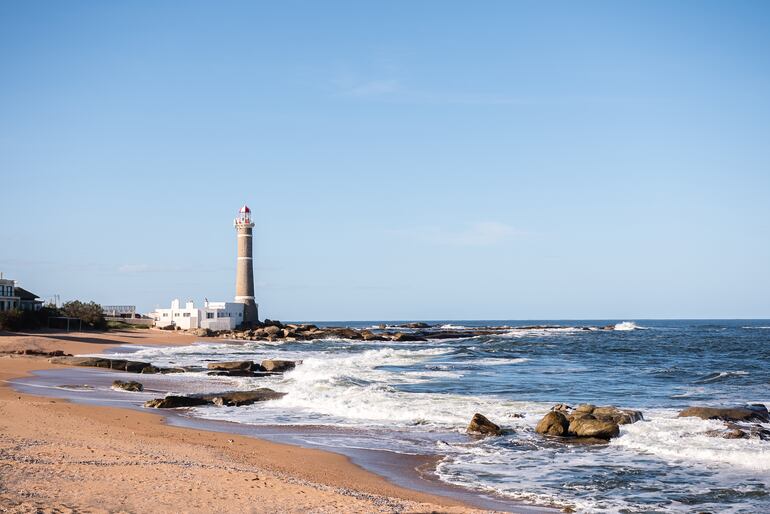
(232, 365)
(616, 415)
(272, 330)
(174, 401)
(416, 325)
(136, 366)
(481, 425)
(128, 386)
(149, 370)
(201, 332)
(589, 426)
(230, 398)
(561, 407)
(238, 398)
(400, 336)
(93, 362)
(554, 423)
(277, 365)
(608, 413)
(754, 412)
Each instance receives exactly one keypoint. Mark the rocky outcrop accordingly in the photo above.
(131, 385)
(481, 425)
(754, 412)
(229, 398)
(554, 423)
(586, 422)
(277, 365)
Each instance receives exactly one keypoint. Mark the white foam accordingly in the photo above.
(627, 325)
(684, 439)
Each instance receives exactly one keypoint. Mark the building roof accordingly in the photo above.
(245, 208)
(25, 295)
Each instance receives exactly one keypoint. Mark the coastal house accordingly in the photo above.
(213, 315)
(8, 298)
(28, 301)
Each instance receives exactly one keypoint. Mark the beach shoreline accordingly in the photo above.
(61, 454)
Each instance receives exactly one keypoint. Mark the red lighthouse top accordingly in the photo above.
(244, 217)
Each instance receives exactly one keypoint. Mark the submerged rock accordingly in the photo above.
(554, 423)
(128, 386)
(481, 425)
(611, 413)
(101, 362)
(754, 412)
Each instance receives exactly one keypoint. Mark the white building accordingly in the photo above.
(213, 315)
(9, 300)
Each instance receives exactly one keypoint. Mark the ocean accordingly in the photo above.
(418, 397)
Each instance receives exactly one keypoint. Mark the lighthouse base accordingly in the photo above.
(250, 314)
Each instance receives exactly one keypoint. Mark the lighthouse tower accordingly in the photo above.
(244, 272)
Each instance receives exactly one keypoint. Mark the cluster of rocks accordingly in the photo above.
(586, 421)
(739, 422)
(115, 364)
(131, 385)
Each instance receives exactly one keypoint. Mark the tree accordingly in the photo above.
(90, 313)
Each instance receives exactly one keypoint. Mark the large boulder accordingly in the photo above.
(755, 412)
(278, 365)
(232, 365)
(554, 423)
(201, 332)
(128, 386)
(271, 330)
(481, 425)
(589, 426)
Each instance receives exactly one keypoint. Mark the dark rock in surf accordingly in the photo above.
(175, 401)
(229, 398)
(238, 398)
(481, 425)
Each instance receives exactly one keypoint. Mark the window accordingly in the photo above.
(240, 314)
(176, 314)
(186, 314)
(209, 315)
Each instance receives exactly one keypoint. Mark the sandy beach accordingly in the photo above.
(56, 456)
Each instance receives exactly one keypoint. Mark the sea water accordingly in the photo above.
(417, 397)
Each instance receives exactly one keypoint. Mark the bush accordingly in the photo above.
(90, 313)
(26, 320)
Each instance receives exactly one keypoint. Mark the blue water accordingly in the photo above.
(417, 397)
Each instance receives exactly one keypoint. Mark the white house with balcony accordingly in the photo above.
(213, 315)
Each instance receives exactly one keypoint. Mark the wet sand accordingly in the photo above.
(56, 455)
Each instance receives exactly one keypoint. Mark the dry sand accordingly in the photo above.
(57, 456)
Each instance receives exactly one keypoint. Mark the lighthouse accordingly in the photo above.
(244, 271)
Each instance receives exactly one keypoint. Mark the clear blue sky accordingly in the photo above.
(404, 160)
